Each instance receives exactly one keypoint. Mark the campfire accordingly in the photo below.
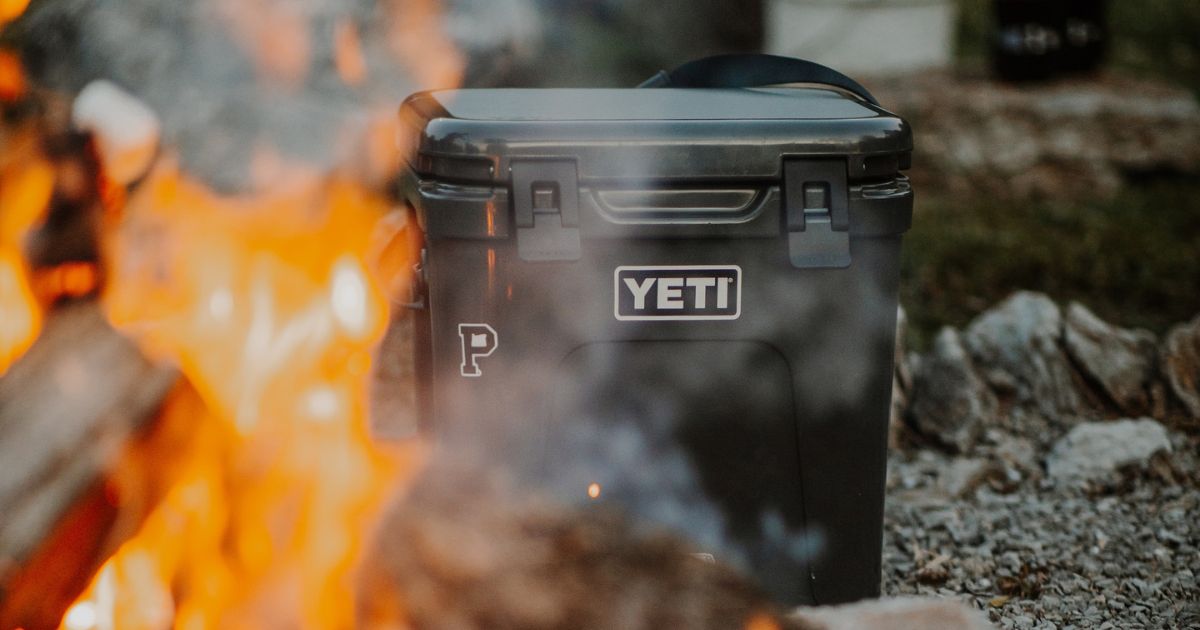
(205, 267)
(203, 354)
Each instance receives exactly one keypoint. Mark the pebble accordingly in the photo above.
(1052, 555)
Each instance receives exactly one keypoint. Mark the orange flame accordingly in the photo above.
(271, 310)
(348, 56)
(11, 10)
(270, 304)
(26, 184)
(12, 76)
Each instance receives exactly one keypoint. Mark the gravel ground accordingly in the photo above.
(994, 532)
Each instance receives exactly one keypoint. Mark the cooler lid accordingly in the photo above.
(639, 134)
(657, 104)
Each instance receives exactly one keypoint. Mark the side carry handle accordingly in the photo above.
(754, 70)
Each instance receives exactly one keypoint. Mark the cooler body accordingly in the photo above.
(679, 301)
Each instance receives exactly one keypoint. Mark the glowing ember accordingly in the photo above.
(21, 317)
(761, 622)
(12, 78)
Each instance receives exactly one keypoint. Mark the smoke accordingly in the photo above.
(232, 79)
(724, 436)
(468, 550)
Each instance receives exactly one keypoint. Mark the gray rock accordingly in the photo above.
(1058, 140)
(1181, 364)
(1014, 450)
(950, 402)
(901, 613)
(1095, 451)
(1052, 552)
(1120, 362)
(1017, 457)
(1021, 337)
(962, 476)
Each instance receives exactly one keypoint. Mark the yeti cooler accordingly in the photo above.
(679, 300)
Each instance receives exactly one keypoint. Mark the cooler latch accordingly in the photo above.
(817, 213)
(546, 209)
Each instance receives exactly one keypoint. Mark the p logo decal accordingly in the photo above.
(478, 341)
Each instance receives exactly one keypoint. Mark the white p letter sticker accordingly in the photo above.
(478, 341)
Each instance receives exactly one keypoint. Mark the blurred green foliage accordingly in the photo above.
(1159, 38)
(1134, 259)
(972, 33)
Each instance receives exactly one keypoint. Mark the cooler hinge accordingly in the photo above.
(817, 213)
(546, 210)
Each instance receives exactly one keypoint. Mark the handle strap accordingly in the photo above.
(754, 70)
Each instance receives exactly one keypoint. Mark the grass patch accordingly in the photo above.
(1134, 259)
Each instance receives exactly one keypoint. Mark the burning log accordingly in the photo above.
(76, 421)
(258, 174)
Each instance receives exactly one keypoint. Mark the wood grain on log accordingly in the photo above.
(69, 409)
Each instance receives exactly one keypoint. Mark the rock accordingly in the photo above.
(950, 402)
(1181, 365)
(1059, 140)
(902, 613)
(1016, 457)
(1137, 547)
(1120, 362)
(1020, 338)
(1095, 451)
(962, 476)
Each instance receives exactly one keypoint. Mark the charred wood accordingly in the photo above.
(70, 411)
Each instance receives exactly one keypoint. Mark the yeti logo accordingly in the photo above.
(478, 341)
(678, 293)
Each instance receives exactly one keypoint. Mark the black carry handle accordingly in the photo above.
(754, 70)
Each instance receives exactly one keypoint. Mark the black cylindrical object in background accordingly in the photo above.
(1041, 39)
(1085, 35)
(1027, 39)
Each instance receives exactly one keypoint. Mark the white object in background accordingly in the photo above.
(125, 129)
(863, 36)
